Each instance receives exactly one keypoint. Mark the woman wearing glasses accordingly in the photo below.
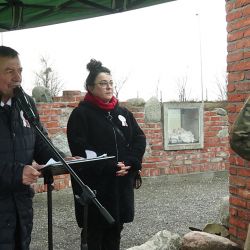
(99, 125)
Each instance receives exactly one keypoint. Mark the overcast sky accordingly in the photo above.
(153, 48)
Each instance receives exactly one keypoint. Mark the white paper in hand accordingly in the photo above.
(50, 161)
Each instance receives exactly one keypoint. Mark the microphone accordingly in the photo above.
(24, 103)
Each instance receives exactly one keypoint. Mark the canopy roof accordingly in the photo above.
(16, 14)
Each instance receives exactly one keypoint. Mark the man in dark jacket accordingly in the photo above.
(20, 144)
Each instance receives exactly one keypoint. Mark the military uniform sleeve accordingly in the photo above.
(240, 132)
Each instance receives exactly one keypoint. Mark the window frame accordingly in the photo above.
(183, 105)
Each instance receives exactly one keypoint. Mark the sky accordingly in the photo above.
(154, 48)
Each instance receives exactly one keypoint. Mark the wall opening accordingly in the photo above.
(183, 125)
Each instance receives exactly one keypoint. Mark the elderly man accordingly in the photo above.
(20, 144)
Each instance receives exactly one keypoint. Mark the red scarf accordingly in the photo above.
(98, 102)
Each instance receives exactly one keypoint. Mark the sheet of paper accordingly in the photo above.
(50, 161)
(92, 154)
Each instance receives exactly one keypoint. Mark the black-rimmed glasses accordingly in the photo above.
(105, 84)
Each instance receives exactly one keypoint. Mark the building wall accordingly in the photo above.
(213, 157)
(238, 61)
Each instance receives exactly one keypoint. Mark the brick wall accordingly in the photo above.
(238, 27)
(213, 157)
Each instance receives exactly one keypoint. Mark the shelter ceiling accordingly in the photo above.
(16, 14)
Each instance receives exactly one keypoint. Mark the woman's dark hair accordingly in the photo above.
(94, 67)
(7, 52)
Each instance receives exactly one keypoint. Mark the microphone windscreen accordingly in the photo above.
(18, 91)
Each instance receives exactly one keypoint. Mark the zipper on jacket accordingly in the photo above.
(14, 127)
(9, 114)
(116, 147)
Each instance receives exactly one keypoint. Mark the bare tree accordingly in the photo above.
(119, 84)
(48, 78)
(182, 88)
(221, 83)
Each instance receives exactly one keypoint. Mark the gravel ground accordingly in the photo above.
(167, 202)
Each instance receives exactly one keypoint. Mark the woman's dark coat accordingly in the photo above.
(91, 128)
(19, 145)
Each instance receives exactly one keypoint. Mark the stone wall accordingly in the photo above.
(157, 161)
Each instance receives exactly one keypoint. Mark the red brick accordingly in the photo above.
(243, 172)
(233, 170)
(242, 234)
(52, 124)
(248, 183)
(149, 165)
(238, 223)
(244, 193)
(244, 214)
(241, 3)
(139, 115)
(233, 211)
(232, 57)
(244, 86)
(237, 97)
(236, 201)
(233, 190)
(154, 172)
(238, 181)
(239, 161)
(233, 230)
(145, 172)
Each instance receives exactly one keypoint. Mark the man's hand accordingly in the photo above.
(30, 175)
(123, 170)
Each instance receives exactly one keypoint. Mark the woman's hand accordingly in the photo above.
(123, 170)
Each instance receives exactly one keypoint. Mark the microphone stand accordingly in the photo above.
(87, 196)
